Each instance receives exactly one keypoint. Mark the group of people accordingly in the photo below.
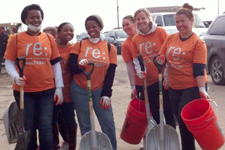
(55, 85)
(183, 55)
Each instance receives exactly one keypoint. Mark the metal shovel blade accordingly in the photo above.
(11, 119)
(170, 139)
(103, 142)
(152, 124)
(23, 135)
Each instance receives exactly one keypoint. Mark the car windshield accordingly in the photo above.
(121, 34)
(169, 20)
(198, 23)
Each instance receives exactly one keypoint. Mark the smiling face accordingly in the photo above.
(34, 18)
(129, 27)
(142, 22)
(184, 25)
(93, 29)
(66, 33)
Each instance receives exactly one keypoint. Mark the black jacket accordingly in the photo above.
(3, 43)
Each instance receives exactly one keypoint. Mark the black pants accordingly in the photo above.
(153, 95)
(179, 99)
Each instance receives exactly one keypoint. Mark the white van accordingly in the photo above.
(167, 21)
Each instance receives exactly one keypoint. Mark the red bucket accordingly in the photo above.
(201, 121)
(135, 123)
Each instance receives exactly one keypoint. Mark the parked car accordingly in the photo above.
(215, 41)
(116, 37)
(167, 21)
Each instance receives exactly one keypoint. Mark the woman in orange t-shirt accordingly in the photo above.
(41, 68)
(130, 28)
(95, 50)
(186, 56)
(147, 42)
(64, 117)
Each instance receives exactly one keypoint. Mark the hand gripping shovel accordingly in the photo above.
(23, 135)
(162, 136)
(151, 122)
(93, 140)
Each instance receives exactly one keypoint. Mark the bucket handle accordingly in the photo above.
(213, 104)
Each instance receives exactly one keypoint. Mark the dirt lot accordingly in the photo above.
(120, 101)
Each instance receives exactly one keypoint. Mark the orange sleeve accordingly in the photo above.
(11, 52)
(55, 50)
(76, 48)
(200, 52)
(163, 48)
(134, 47)
(127, 51)
(163, 34)
(113, 55)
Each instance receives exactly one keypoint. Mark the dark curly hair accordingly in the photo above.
(28, 8)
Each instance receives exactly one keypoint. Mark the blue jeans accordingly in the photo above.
(38, 111)
(105, 116)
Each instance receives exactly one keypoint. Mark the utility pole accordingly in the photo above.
(118, 23)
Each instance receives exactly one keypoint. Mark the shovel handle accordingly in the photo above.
(88, 74)
(19, 65)
(158, 66)
(140, 59)
(149, 118)
(21, 68)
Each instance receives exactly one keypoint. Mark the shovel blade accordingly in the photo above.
(11, 119)
(170, 139)
(102, 140)
(23, 135)
(152, 124)
(23, 140)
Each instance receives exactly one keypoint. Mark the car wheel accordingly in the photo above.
(217, 71)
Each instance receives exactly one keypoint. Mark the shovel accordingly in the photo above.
(93, 140)
(23, 135)
(11, 121)
(162, 136)
(151, 122)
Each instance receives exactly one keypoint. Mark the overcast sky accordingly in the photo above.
(76, 11)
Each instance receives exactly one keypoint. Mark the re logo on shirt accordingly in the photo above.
(36, 54)
(95, 53)
(148, 48)
(176, 54)
(36, 49)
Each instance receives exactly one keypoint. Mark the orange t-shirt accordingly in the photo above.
(97, 53)
(67, 78)
(38, 51)
(148, 46)
(180, 56)
(127, 55)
